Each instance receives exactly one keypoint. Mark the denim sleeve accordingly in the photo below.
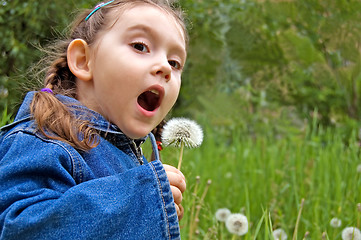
(39, 198)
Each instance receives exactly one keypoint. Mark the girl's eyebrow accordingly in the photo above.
(141, 27)
(150, 31)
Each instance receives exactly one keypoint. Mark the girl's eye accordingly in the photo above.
(175, 64)
(141, 47)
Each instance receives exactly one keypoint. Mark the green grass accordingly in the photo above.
(266, 177)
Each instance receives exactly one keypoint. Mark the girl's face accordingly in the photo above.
(136, 70)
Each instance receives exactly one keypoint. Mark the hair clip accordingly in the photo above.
(48, 90)
(159, 145)
(96, 8)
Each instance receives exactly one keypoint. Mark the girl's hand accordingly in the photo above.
(177, 185)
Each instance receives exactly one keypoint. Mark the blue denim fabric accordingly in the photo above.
(49, 190)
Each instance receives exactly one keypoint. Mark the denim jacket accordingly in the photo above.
(49, 190)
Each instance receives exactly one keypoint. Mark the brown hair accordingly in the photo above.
(53, 118)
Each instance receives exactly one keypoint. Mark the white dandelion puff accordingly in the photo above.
(237, 224)
(4, 92)
(228, 175)
(335, 222)
(180, 132)
(279, 234)
(351, 233)
(359, 168)
(222, 214)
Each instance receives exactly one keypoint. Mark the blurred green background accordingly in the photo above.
(251, 62)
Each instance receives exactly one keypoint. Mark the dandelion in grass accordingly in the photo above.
(237, 224)
(351, 233)
(335, 222)
(222, 214)
(180, 132)
(228, 175)
(279, 234)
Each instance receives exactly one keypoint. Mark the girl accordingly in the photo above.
(71, 165)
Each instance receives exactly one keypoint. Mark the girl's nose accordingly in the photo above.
(163, 68)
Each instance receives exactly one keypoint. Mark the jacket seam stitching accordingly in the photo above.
(71, 155)
(161, 191)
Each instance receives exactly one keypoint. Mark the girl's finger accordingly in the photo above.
(181, 212)
(177, 195)
(169, 168)
(177, 181)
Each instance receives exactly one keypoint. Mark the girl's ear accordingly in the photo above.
(78, 56)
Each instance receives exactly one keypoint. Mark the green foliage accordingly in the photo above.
(304, 54)
(5, 118)
(24, 27)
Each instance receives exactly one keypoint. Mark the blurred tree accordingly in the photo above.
(304, 54)
(24, 27)
(260, 57)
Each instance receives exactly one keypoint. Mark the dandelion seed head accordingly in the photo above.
(279, 234)
(359, 168)
(178, 130)
(335, 222)
(222, 214)
(351, 233)
(4, 92)
(228, 175)
(237, 224)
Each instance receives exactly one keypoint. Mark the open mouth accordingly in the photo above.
(149, 100)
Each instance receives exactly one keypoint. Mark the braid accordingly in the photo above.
(53, 118)
(55, 121)
(60, 77)
(157, 132)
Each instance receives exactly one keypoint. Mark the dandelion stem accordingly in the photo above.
(192, 220)
(180, 155)
(298, 220)
(358, 214)
(199, 206)
(221, 231)
(205, 191)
